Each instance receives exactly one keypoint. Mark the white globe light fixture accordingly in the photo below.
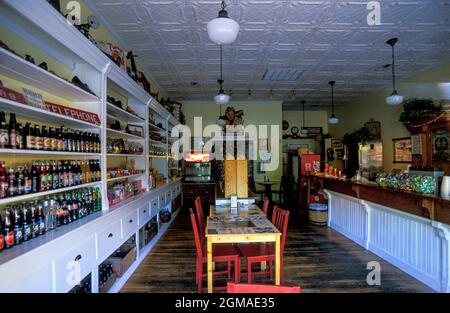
(333, 119)
(221, 97)
(394, 98)
(223, 30)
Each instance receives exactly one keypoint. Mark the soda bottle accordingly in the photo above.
(18, 226)
(8, 226)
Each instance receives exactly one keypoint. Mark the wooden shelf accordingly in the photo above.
(19, 69)
(122, 114)
(157, 142)
(125, 155)
(43, 152)
(158, 156)
(46, 193)
(124, 177)
(124, 135)
(153, 127)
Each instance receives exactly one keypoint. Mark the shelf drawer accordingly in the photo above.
(81, 258)
(168, 196)
(144, 214)
(130, 224)
(109, 239)
(162, 200)
(154, 206)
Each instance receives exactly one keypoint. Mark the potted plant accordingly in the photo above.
(418, 111)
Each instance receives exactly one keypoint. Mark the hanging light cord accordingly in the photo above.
(303, 109)
(393, 68)
(332, 98)
(223, 5)
(221, 67)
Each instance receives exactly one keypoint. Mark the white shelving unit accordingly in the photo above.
(38, 24)
(36, 195)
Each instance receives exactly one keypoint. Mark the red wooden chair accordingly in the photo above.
(265, 207)
(200, 217)
(221, 253)
(276, 215)
(256, 288)
(266, 251)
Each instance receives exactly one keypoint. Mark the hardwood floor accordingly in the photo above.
(317, 258)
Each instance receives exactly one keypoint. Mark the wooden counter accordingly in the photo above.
(424, 205)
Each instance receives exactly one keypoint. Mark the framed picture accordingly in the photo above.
(135, 130)
(339, 154)
(336, 143)
(312, 132)
(374, 128)
(402, 150)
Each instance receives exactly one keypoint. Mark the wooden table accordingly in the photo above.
(268, 185)
(248, 224)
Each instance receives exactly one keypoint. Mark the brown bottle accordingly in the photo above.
(47, 139)
(30, 138)
(39, 139)
(13, 140)
(4, 133)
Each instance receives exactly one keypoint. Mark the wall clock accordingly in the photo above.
(295, 131)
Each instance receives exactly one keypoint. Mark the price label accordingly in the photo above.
(34, 99)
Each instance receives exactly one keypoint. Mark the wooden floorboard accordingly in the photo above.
(318, 259)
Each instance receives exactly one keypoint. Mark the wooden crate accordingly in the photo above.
(236, 178)
(120, 265)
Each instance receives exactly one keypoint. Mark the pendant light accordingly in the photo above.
(333, 119)
(394, 98)
(222, 30)
(304, 130)
(221, 97)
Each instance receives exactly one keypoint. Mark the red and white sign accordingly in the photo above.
(81, 115)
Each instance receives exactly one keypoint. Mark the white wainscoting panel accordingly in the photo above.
(409, 242)
(348, 216)
(416, 245)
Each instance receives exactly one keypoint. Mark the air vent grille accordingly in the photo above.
(282, 74)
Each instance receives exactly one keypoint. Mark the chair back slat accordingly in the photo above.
(200, 218)
(265, 207)
(198, 242)
(257, 288)
(284, 228)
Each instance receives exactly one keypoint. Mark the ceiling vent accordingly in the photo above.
(282, 74)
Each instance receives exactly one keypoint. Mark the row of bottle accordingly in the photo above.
(33, 137)
(47, 175)
(32, 219)
(105, 271)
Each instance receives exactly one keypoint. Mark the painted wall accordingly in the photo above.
(434, 83)
(255, 112)
(312, 119)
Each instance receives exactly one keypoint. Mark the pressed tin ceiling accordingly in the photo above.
(327, 40)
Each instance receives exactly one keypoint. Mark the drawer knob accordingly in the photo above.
(145, 211)
(130, 221)
(110, 235)
(78, 257)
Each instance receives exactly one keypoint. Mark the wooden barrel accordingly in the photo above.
(318, 214)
